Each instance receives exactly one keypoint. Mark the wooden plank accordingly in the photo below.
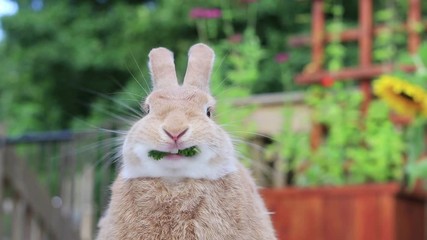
(317, 30)
(2, 157)
(365, 47)
(258, 165)
(388, 216)
(414, 19)
(278, 174)
(367, 214)
(352, 73)
(18, 219)
(329, 213)
(339, 217)
(23, 181)
(295, 217)
(307, 218)
(85, 203)
(316, 135)
(350, 35)
(105, 171)
(35, 230)
(411, 221)
(66, 183)
(349, 190)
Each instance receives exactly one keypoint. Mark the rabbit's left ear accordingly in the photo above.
(199, 68)
(162, 68)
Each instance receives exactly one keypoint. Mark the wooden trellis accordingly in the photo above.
(364, 35)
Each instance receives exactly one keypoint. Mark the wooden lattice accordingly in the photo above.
(364, 35)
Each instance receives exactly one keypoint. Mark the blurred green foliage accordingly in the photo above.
(62, 60)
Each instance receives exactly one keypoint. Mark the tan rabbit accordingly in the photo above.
(206, 196)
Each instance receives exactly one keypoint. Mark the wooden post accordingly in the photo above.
(278, 175)
(2, 158)
(18, 221)
(35, 231)
(66, 179)
(365, 46)
(414, 19)
(258, 163)
(317, 29)
(84, 204)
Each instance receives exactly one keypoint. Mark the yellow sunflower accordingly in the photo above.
(404, 97)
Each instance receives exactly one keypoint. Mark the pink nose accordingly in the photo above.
(173, 136)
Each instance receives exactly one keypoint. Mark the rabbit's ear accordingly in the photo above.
(199, 68)
(162, 68)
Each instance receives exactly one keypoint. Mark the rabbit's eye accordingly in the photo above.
(209, 112)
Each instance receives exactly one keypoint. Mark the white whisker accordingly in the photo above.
(142, 75)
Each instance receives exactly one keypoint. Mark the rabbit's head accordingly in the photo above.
(178, 119)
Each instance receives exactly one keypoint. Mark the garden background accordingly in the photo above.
(81, 66)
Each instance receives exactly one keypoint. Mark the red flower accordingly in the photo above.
(327, 81)
(282, 57)
(205, 13)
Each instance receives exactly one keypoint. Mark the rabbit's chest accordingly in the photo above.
(170, 209)
(178, 205)
(191, 214)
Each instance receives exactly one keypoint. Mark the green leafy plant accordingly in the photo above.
(416, 168)
(355, 147)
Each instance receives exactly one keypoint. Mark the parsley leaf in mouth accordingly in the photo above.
(187, 152)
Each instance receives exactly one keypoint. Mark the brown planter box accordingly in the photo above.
(365, 212)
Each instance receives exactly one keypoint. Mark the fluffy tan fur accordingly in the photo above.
(208, 196)
(225, 209)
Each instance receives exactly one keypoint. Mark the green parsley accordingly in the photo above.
(187, 152)
(157, 155)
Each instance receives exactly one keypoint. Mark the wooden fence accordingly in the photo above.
(32, 215)
(54, 185)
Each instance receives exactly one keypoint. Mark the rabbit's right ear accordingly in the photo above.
(162, 68)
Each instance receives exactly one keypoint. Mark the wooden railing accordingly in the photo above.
(33, 216)
(54, 185)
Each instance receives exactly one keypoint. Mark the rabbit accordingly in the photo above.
(206, 196)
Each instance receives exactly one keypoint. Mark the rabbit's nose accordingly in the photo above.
(175, 135)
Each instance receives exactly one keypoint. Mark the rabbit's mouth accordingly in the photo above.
(186, 152)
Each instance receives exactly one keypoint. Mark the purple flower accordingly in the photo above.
(282, 57)
(205, 13)
(236, 38)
